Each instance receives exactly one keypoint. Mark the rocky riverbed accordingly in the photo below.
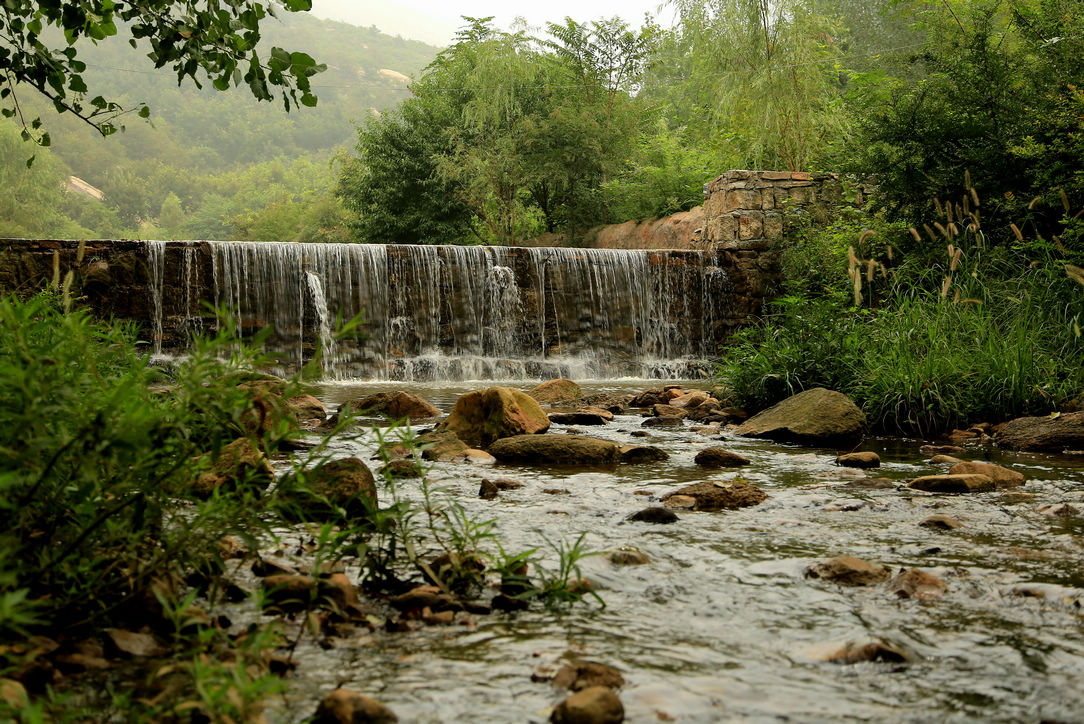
(968, 608)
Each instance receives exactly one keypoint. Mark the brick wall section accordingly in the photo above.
(746, 216)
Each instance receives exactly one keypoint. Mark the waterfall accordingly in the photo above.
(452, 312)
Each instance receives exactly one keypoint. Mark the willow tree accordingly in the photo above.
(767, 76)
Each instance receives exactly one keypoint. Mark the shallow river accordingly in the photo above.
(722, 625)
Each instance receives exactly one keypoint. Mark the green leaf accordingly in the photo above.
(30, 161)
(76, 84)
(145, 111)
(308, 99)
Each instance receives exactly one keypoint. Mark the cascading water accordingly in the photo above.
(457, 312)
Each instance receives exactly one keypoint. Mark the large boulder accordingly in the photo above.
(559, 390)
(343, 706)
(555, 450)
(483, 416)
(962, 483)
(393, 405)
(593, 705)
(1049, 434)
(812, 417)
(345, 485)
(441, 445)
(237, 465)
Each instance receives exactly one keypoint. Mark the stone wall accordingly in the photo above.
(749, 214)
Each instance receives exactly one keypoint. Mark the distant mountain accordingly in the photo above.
(391, 18)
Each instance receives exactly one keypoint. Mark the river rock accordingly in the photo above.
(583, 416)
(347, 485)
(402, 468)
(554, 450)
(1058, 510)
(865, 459)
(290, 593)
(1049, 434)
(710, 495)
(691, 399)
(440, 445)
(662, 422)
(559, 390)
(816, 416)
(627, 557)
(941, 522)
(580, 675)
(343, 706)
(848, 571)
(940, 449)
(717, 457)
(945, 460)
(970, 483)
(1002, 477)
(483, 416)
(306, 407)
(593, 705)
(130, 644)
(654, 514)
(916, 583)
(637, 454)
(488, 490)
(474, 456)
(239, 464)
(874, 651)
(396, 405)
(647, 398)
(662, 410)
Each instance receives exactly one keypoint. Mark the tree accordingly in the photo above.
(199, 39)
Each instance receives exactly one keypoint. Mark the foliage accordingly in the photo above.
(198, 41)
(995, 90)
(944, 347)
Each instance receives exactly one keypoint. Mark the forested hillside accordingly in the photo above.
(208, 164)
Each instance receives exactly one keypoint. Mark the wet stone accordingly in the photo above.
(717, 457)
(343, 706)
(941, 522)
(594, 705)
(627, 557)
(944, 460)
(874, 651)
(859, 460)
(580, 675)
(488, 490)
(848, 571)
(654, 514)
(970, 483)
(916, 583)
(711, 495)
(662, 422)
(1003, 477)
(637, 454)
(1058, 510)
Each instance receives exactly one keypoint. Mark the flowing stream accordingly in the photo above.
(722, 625)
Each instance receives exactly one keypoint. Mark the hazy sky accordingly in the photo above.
(435, 21)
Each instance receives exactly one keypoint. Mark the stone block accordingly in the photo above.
(715, 204)
(723, 228)
(751, 225)
(773, 226)
(742, 199)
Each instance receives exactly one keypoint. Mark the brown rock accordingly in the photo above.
(647, 398)
(488, 490)
(402, 468)
(290, 592)
(661, 422)
(655, 514)
(338, 589)
(710, 495)
(972, 483)
(554, 450)
(874, 651)
(129, 644)
(667, 411)
(1002, 477)
(482, 417)
(692, 399)
(945, 460)
(345, 485)
(264, 567)
(716, 457)
(580, 675)
(940, 449)
(941, 522)
(306, 407)
(237, 465)
(594, 705)
(848, 571)
(864, 459)
(1050, 434)
(915, 583)
(636, 454)
(816, 416)
(627, 557)
(583, 416)
(1058, 510)
(397, 405)
(343, 706)
(474, 456)
(507, 484)
(559, 390)
(441, 445)
(420, 597)
(674, 501)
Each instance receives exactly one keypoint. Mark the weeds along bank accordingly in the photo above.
(123, 490)
(928, 328)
